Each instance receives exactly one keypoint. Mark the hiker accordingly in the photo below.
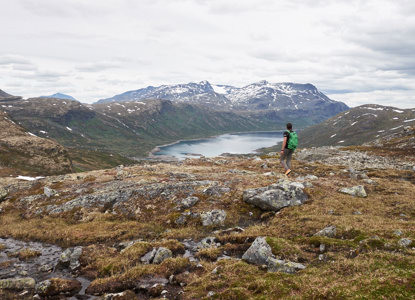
(289, 145)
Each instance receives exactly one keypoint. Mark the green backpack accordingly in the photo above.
(293, 140)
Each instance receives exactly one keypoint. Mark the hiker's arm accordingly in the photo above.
(284, 143)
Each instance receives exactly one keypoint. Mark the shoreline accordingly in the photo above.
(156, 149)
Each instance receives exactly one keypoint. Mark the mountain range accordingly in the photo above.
(262, 95)
(60, 96)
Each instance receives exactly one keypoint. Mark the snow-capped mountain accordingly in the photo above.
(198, 93)
(257, 96)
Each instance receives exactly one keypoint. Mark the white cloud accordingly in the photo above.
(355, 50)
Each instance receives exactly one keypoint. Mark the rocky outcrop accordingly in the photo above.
(276, 196)
(28, 153)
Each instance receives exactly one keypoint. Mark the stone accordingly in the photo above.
(70, 258)
(277, 265)
(357, 191)
(276, 196)
(308, 185)
(216, 190)
(405, 242)
(156, 256)
(17, 283)
(369, 181)
(57, 286)
(311, 177)
(125, 295)
(46, 268)
(3, 194)
(329, 231)
(213, 217)
(208, 242)
(356, 213)
(49, 192)
(211, 294)
(188, 202)
(397, 232)
(258, 253)
(161, 255)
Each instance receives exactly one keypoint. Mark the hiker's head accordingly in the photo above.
(289, 126)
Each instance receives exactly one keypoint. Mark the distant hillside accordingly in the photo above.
(6, 96)
(22, 152)
(128, 129)
(60, 96)
(357, 126)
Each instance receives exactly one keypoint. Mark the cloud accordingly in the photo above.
(353, 49)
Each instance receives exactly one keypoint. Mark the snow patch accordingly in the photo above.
(411, 120)
(70, 129)
(353, 123)
(396, 127)
(340, 142)
(32, 134)
(219, 89)
(28, 178)
(374, 108)
(41, 131)
(398, 111)
(333, 135)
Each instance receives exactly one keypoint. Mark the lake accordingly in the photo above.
(237, 143)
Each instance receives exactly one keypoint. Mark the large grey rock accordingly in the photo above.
(329, 231)
(17, 283)
(258, 253)
(3, 194)
(277, 265)
(276, 196)
(213, 217)
(156, 256)
(357, 191)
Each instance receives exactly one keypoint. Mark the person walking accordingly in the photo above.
(289, 145)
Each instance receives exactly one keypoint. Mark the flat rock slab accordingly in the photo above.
(276, 196)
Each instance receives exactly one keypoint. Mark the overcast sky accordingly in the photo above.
(355, 51)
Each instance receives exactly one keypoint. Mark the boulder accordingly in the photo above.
(329, 231)
(258, 253)
(357, 191)
(126, 295)
(213, 217)
(58, 286)
(276, 196)
(17, 283)
(277, 265)
(156, 256)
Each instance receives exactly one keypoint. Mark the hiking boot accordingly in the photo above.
(288, 172)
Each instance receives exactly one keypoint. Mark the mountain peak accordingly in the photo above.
(60, 96)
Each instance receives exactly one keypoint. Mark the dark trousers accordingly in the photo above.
(286, 158)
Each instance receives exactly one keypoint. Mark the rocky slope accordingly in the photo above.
(22, 151)
(225, 228)
(358, 125)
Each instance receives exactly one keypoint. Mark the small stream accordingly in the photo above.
(39, 267)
